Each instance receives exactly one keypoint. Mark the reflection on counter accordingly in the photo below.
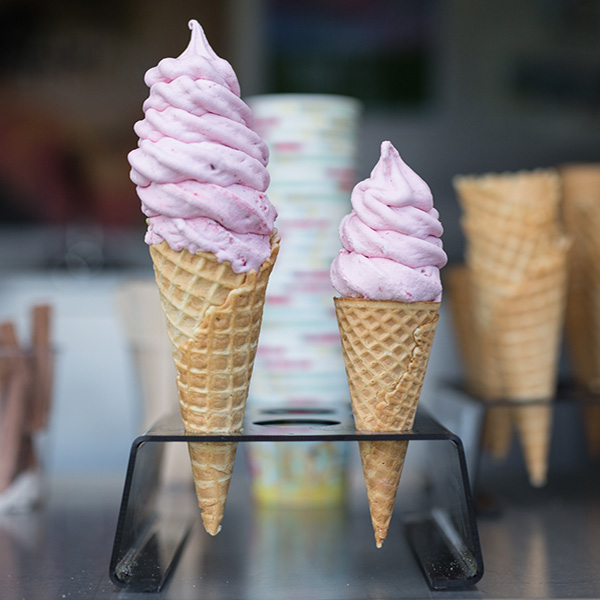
(294, 543)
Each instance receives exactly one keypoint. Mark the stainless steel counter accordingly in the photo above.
(536, 544)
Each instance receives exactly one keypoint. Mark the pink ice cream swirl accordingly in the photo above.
(392, 247)
(200, 168)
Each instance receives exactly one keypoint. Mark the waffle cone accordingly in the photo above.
(386, 347)
(527, 326)
(580, 182)
(213, 320)
(510, 220)
(581, 200)
(497, 433)
(534, 425)
(581, 213)
(524, 326)
(505, 257)
(527, 198)
(517, 256)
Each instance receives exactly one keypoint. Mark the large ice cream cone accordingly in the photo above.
(200, 172)
(386, 348)
(213, 318)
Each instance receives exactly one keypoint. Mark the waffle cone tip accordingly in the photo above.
(534, 426)
(382, 462)
(212, 467)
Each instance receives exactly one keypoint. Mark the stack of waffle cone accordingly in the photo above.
(517, 259)
(213, 317)
(386, 348)
(581, 214)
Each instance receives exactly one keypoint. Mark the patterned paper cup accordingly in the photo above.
(312, 141)
(298, 474)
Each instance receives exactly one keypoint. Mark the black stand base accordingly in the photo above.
(155, 521)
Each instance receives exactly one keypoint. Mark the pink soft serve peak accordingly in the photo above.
(200, 168)
(391, 240)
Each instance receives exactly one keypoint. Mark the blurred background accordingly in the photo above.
(459, 86)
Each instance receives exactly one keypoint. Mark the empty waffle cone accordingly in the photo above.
(525, 325)
(581, 210)
(517, 258)
(534, 425)
(581, 206)
(213, 319)
(527, 198)
(497, 434)
(510, 220)
(386, 347)
(504, 257)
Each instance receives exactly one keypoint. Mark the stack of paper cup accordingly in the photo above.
(313, 144)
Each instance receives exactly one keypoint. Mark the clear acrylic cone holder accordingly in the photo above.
(157, 520)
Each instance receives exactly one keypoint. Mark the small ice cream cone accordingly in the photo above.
(388, 277)
(386, 348)
(213, 319)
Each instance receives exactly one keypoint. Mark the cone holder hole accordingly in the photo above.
(290, 422)
(300, 410)
(433, 543)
